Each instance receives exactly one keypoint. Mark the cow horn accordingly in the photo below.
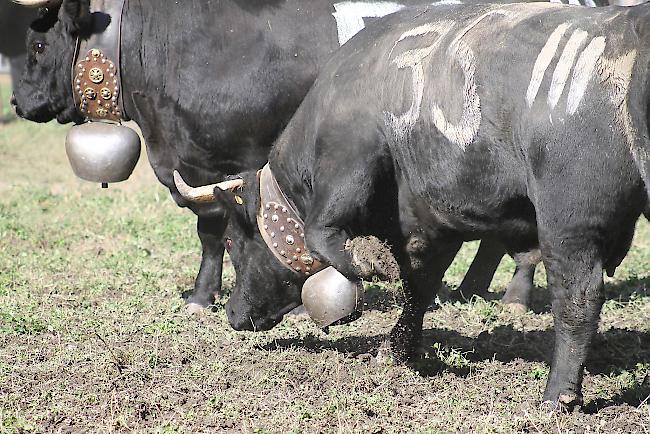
(37, 3)
(204, 193)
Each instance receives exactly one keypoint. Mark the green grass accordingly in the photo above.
(5, 95)
(93, 335)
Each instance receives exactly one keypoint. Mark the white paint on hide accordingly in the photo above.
(583, 71)
(464, 131)
(403, 124)
(615, 76)
(447, 2)
(480, 18)
(564, 65)
(349, 16)
(544, 59)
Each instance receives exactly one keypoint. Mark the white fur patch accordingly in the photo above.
(564, 65)
(583, 72)
(544, 59)
(349, 16)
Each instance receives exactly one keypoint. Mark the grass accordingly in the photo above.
(93, 336)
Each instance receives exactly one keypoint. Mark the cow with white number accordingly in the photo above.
(539, 138)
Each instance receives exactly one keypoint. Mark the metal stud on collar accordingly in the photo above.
(96, 85)
(282, 228)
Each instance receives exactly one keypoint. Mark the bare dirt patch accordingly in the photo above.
(94, 337)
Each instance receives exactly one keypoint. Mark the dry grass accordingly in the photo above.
(93, 336)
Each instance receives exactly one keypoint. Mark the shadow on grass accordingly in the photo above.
(632, 396)
(612, 353)
(540, 301)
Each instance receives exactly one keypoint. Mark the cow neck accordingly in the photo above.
(96, 73)
(282, 228)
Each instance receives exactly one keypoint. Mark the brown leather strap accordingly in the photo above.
(96, 79)
(282, 228)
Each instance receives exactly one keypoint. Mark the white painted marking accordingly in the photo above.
(616, 75)
(575, 2)
(473, 24)
(564, 65)
(544, 59)
(349, 16)
(447, 2)
(590, 3)
(403, 124)
(424, 29)
(464, 131)
(583, 72)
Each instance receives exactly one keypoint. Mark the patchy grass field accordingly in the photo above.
(93, 336)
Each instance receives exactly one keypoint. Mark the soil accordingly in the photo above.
(373, 257)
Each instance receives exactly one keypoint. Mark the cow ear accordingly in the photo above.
(75, 15)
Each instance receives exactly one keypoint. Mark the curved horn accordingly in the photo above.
(204, 193)
(37, 3)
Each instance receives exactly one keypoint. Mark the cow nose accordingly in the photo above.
(13, 100)
(238, 322)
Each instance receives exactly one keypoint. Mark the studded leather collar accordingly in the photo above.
(282, 228)
(96, 78)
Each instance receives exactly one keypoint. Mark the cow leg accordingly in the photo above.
(479, 276)
(575, 278)
(208, 281)
(518, 291)
(427, 264)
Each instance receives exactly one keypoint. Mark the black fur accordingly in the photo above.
(531, 176)
(210, 83)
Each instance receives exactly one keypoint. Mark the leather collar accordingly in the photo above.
(282, 228)
(96, 77)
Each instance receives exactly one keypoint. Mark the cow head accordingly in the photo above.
(45, 90)
(264, 289)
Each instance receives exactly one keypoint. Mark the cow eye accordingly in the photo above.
(38, 47)
(228, 245)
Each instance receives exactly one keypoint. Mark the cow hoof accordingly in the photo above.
(515, 308)
(566, 403)
(194, 309)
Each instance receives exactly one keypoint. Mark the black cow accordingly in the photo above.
(206, 105)
(210, 83)
(14, 22)
(419, 133)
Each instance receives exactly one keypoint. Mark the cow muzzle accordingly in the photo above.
(38, 3)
